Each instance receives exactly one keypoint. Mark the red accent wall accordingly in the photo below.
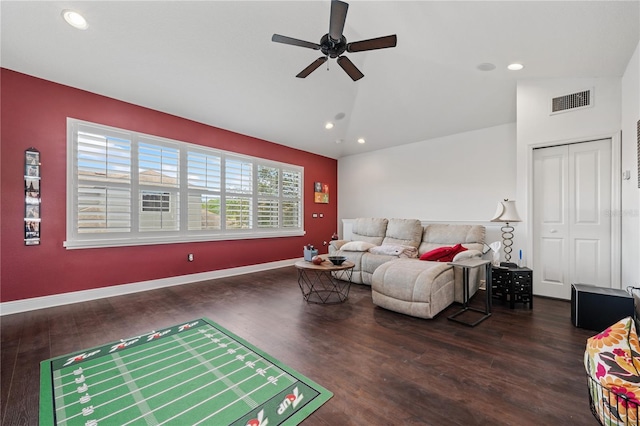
(34, 113)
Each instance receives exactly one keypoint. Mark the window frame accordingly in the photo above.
(185, 192)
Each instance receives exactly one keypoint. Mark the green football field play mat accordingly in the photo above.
(196, 373)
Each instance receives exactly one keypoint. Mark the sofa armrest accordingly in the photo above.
(467, 254)
(337, 244)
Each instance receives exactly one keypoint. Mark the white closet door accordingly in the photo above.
(571, 217)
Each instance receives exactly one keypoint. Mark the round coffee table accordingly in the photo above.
(324, 283)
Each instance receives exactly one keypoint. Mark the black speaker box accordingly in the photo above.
(596, 308)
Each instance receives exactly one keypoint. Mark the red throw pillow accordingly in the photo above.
(436, 254)
(443, 254)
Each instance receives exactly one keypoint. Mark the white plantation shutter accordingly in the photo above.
(126, 188)
(238, 212)
(204, 212)
(292, 199)
(104, 175)
(158, 167)
(205, 182)
(238, 176)
(103, 209)
(237, 205)
(205, 171)
(268, 215)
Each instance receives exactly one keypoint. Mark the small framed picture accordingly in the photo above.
(32, 158)
(321, 193)
(32, 191)
(31, 232)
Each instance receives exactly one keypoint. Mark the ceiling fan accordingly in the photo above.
(334, 44)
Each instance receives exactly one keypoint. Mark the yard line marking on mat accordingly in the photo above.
(221, 409)
(216, 372)
(113, 400)
(215, 395)
(143, 366)
(135, 392)
(193, 391)
(153, 355)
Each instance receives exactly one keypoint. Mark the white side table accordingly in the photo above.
(466, 266)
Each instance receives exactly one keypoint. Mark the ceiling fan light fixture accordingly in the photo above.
(515, 67)
(75, 19)
(334, 44)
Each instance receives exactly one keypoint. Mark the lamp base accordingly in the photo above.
(507, 240)
(508, 265)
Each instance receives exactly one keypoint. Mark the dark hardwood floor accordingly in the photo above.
(519, 367)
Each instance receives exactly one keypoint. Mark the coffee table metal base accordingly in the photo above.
(324, 286)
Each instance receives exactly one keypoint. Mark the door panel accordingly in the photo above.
(550, 226)
(571, 227)
(552, 267)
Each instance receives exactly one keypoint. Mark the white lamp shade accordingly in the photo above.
(506, 212)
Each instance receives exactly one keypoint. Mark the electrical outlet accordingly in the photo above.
(190, 257)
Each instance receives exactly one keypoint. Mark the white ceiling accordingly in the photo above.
(214, 62)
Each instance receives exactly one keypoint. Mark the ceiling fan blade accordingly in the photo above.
(372, 44)
(349, 68)
(337, 19)
(294, 42)
(311, 68)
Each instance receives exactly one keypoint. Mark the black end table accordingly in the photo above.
(512, 284)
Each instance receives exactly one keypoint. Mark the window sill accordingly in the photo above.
(128, 242)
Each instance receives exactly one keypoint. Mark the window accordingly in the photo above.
(126, 188)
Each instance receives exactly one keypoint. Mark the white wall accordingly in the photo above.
(630, 211)
(455, 178)
(536, 127)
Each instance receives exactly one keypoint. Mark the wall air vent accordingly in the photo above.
(570, 102)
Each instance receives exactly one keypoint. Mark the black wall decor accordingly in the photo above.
(32, 218)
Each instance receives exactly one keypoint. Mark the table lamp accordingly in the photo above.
(506, 213)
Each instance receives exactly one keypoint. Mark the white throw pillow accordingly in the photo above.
(357, 246)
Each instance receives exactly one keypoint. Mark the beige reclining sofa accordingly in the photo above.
(386, 255)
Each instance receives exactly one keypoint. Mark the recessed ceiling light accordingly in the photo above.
(361, 140)
(515, 67)
(329, 125)
(74, 19)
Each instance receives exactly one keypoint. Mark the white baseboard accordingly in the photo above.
(16, 306)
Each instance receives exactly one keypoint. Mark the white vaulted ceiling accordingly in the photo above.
(214, 62)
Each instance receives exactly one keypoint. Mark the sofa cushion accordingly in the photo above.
(357, 246)
(443, 254)
(403, 232)
(438, 235)
(370, 230)
(395, 250)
